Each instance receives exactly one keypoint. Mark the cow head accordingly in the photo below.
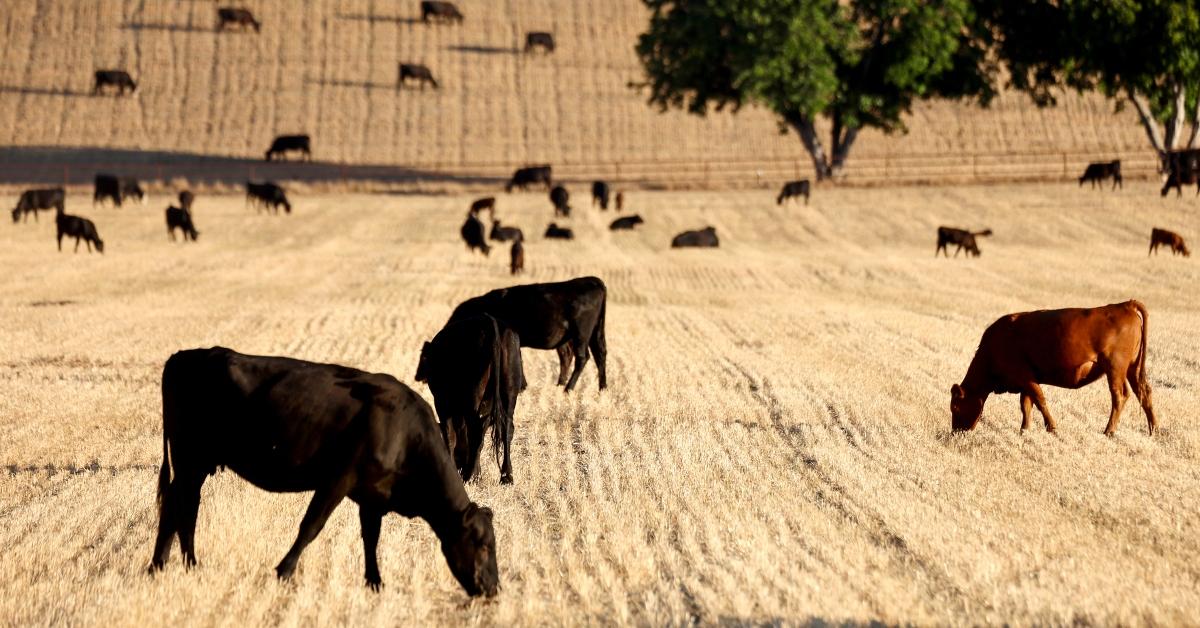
(1182, 248)
(423, 365)
(16, 213)
(470, 550)
(965, 409)
(99, 245)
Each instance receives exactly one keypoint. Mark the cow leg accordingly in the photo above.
(166, 529)
(1026, 410)
(600, 354)
(564, 363)
(371, 519)
(76, 244)
(1141, 390)
(1116, 388)
(60, 235)
(581, 358)
(187, 508)
(1035, 391)
(324, 501)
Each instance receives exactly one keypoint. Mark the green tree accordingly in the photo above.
(858, 63)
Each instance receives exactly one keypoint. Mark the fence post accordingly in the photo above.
(1064, 156)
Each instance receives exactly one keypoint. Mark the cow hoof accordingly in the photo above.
(1109, 434)
(284, 573)
(506, 479)
(154, 568)
(374, 585)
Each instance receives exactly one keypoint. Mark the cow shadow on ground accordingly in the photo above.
(485, 50)
(346, 83)
(395, 19)
(42, 91)
(168, 28)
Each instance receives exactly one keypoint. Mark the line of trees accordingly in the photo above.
(862, 63)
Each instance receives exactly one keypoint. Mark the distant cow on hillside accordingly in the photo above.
(80, 229)
(236, 16)
(524, 177)
(600, 194)
(560, 197)
(1170, 239)
(539, 39)
(626, 222)
(119, 79)
(116, 189)
(33, 201)
(472, 233)
(961, 237)
(287, 143)
(268, 195)
(179, 218)
(703, 238)
(488, 203)
(504, 234)
(792, 189)
(555, 232)
(445, 11)
(419, 73)
(1099, 171)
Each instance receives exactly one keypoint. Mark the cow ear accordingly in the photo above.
(956, 391)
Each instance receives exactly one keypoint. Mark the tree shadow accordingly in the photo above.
(346, 83)
(42, 91)
(485, 50)
(361, 17)
(169, 28)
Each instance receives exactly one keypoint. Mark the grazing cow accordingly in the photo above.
(472, 234)
(1170, 239)
(236, 16)
(33, 201)
(538, 39)
(179, 218)
(524, 177)
(963, 238)
(268, 195)
(504, 234)
(706, 237)
(516, 256)
(108, 186)
(620, 201)
(186, 198)
(487, 202)
(555, 232)
(1182, 168)
(285, 143)
(119, 79)
(445, 11)
(792, 189)
(1066, 348)
(473, 369)
(131, 189)
(80, 229)
(626, 222)
(1099, 171)
(600, 194)
(560, 197)
(419, 73)
(287, 425)
(567, 316)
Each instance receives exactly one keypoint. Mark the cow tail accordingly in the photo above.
(164, 471)
(1141, 368)
(499, 418)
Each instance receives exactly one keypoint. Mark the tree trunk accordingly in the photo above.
(812, 143)
(1195, 124)
(841, 149)
(1175, 124)
(1148, 122)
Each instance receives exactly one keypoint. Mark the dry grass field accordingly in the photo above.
(774, 445)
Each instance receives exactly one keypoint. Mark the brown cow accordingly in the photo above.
(1068, 348)
(1167, 238)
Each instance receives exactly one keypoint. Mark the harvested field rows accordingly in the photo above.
(774, 444)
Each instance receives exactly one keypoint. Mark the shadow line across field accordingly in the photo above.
(42, 91)
(167, 28)
(485, 50)
(396, 19)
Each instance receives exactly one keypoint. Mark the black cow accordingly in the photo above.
(539, 39)
(516, 256)
(555, 232)
(179, 218)
(442, 10)
(567, 316)
(524, 177)
(267, 195)
(1099, 171)
(963, 238)
(287, 425)
(626, 222)
(32, 201)
(600, 194)
(1182, 168)
(560, 198)
(792, 189)
(706, 237)
(472, 234)
(473, 368)
(285, 143)
(487, 202)
(504, 234)
(236, 16)
(119, 79)
(80, 229)
(114, 188)
(419, 73)
(620, 201)
(186, 198)
(131, 189)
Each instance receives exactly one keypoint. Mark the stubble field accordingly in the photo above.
(774, 444)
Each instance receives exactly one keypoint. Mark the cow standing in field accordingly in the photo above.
(287, 143)
(626, 222)
(1169, 239)
(703, 238)
(1099, 171)
(80, 229)
(472, 233)
(961, 237)
(487, 202)
(33, 201)
(418, 73)
(473, 368)
(1182, 168)
(501, 233)
(620, 202)
(186, 198)
(600, 194)
(555, 232)
(268, 195)
(236, 16)
(1068, 348)
(444, 11)
(287, 425)
(793, 189)
(516, 256)
(119, 79)
(180, 218)
(567, 316)
(560, 198)
(116, 189)
(525, 177)
(539, 39)
(131, 189)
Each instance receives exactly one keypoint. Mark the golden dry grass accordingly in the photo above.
(774, 444)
